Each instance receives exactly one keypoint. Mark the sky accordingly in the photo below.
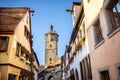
(47, 12)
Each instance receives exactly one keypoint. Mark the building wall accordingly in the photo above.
(106, 55)
(75, 13)
(19, 37)
(35, 67)
(5, 59)
(92, 9)
(78, 58)
(9, 62)
(19, 32)
(4, 72)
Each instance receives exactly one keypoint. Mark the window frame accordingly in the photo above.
(18, 51)
(112, 27)
(102, 70)
(26, 32)
(85, 68)
(5, 44)
(76, 74)
(118, 71)
(97, 26)
(117, 67)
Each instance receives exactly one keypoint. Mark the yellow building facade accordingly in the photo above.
(15, 44)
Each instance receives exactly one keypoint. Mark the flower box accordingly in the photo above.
(28, 62)
(22, 58)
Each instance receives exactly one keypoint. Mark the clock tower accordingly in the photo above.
(51, 50)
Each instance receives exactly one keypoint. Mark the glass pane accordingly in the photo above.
(105, 75)
(3, 43)
(11, 77)
(119, 71)
(116, 8)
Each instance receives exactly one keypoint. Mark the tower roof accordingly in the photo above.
(51, 31)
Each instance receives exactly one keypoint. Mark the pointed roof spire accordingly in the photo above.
(51, 27)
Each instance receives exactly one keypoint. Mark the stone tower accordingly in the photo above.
(51, 40)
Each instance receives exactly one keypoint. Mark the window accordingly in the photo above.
(3, 43)
(52, 38)
(50, 45)
(72, 75)
(77, 76)
(104, 75)
(97, 32)
(50, 59)
(26, 32)
(27, 19)
(18, 49)
(74, 20)
(83, 29)
(113, 10)
(80, 33)
(50, 51)
(27, 57)
(11, 77)
(85, 68)
(118, 68)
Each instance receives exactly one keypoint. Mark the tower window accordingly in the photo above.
(50, 45)
(52, 38)
(50, 59)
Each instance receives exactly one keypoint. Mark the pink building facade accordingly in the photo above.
(103, 30)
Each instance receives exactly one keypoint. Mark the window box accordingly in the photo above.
(28, 62)
(80, 42)
(22, 58)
